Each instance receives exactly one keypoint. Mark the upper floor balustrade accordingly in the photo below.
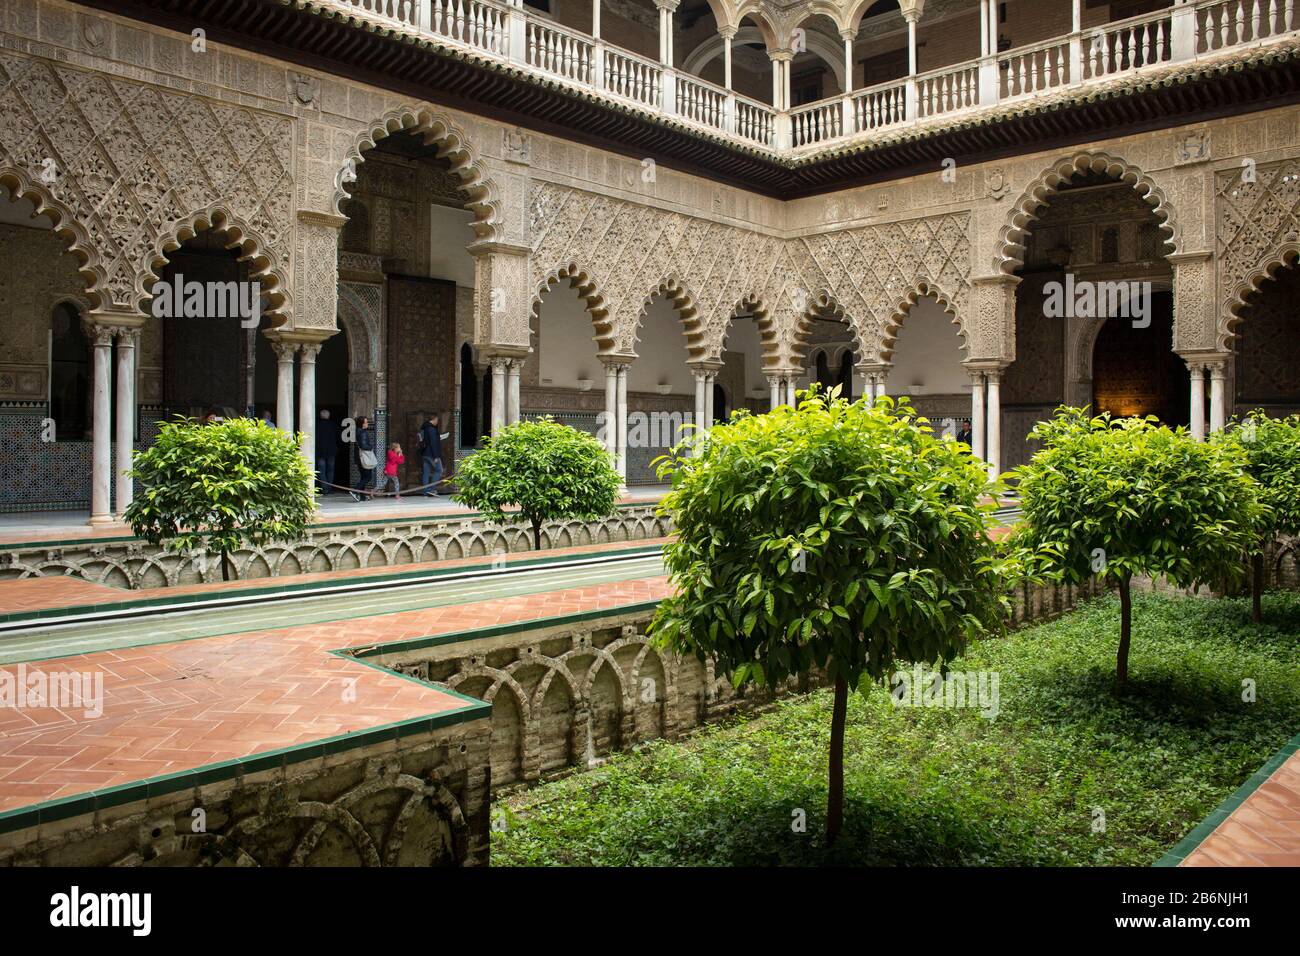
(1188, 31)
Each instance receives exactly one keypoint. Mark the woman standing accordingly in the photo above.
(366, 458)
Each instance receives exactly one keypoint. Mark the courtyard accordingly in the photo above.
(546, 436)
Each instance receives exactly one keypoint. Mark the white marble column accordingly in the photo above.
(984, 27)
(726, 57)
(611, 412)
(622, 422)
(512, 390)
(307, 402)
(911, 45)
(701, 381)
(125, 418)
(776, 391)
(994, 428)
(1218, 409)
(101, 465)
(1196, 403)
(711, 379)
(791, 385)
(977, 414)
(498, 394)
(284, 354)
(665, 35)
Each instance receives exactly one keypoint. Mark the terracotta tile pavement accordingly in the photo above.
(64, 590)
(181, 706)
(1264, 830)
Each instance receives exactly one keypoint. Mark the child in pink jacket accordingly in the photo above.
(394, 462)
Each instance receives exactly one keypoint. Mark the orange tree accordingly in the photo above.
(1130, 496)
(219, 486)
(539, 471)
(837, 537)
(1272, 450)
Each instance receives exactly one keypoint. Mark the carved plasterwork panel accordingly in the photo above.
(620, 254)
(135, 166)
(1257, 230)
(318, 269)
(873, 273)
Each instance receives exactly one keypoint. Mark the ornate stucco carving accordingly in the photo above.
(1257, 232)
(622, 254)
(453, 145)
(1010, 247)
(126, 166)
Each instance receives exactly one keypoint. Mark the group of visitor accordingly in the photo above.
(329, 442)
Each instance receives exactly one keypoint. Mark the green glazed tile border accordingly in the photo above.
(51, 811)
(306, 587)
(1211, 823)
(514, 627)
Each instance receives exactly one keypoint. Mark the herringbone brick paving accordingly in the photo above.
(1263, 831)
(180, 706)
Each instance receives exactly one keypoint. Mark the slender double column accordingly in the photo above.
(499, 369)
(285, 353)
(101, 482)
(126, 412)
(621, 458)
(112, 441)
(616, 415)
(513, 368)
(783, 389)
(1196, 399)
(993, 382)
(977, 413)
(611, 412)
(702, 388)
(1218, 408)
(307, 400)
(1216, 367)
(986, 417)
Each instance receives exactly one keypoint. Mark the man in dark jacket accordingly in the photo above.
(430, 455)
(327, 450)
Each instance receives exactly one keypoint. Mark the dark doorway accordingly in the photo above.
(469, 433)
(1135, 371)
(69, 375)
(1267, 363)
(204, 357)
(422, 361)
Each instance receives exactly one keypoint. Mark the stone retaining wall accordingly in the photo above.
(420, 800)
(567, 694)
(130, 563)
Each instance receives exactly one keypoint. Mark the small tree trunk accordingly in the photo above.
(1256, 587)
(225, 566)
(1125, 628)
(835, 783)
(537, 535)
